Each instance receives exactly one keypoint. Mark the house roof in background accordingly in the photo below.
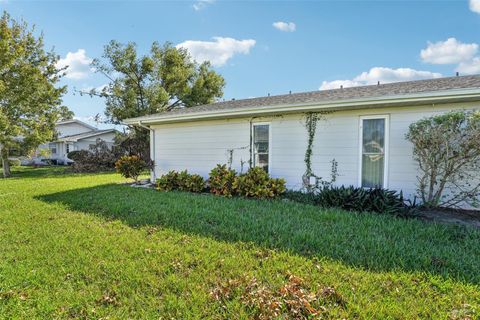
(76, 121)
(399, 90)
(84, 135)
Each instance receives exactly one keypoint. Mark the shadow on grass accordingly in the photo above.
(28, 172)
(373, 242)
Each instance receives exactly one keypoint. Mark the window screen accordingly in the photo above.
(373, 152)
(261, 145)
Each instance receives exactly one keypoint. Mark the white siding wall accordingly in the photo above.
(84, 144)
(199, 146)
(69, 129)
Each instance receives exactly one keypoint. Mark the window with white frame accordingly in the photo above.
(53, 148)
(373, 151)
(261, 145)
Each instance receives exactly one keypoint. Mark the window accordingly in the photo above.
(68, 148)
(53, 148)
(373, 151)
(261, 145)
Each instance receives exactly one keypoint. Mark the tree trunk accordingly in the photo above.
(5, 164)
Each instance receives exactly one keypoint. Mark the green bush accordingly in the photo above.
(182, 181)
(194, 183)
(12, 163)
(168, 181)
(221, 181)
(130, 167)
(361, 199)
(299, 196)
(99, 157)
(77, 155)
(258, 184)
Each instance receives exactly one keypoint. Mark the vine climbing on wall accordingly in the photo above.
(311, 120)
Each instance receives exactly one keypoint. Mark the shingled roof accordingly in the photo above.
(328, 96)
(76, 137)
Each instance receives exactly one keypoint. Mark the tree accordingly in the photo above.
(30, 101)
(164, 79)
(447, 150)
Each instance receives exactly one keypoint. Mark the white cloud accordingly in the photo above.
(469, 67)
(475, 5)
(336, 84)
(77, 63)
(201, 4)
(285, 26)
(219, 51)
(384, 75)
(448, 52)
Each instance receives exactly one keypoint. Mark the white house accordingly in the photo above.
(362, 128)
(74, 135)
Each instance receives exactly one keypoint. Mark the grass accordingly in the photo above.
(86, 246)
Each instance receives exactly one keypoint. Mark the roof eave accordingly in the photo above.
(73, 139)
(79, 122)
(456, 95)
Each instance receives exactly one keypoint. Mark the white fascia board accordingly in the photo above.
(387, 101)
(93, 134)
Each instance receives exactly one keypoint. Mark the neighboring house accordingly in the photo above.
(74, 135)
(363, 130)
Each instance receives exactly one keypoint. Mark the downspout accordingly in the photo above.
(152, 150)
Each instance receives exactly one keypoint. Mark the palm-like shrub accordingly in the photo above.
(360, 199)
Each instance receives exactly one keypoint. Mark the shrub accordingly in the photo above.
(361, 199)
(194, 183)
(221, 181)
(299, 196)
(12, 163)
(77, 155)
(446, 148)
(130, 167)
(99, 158)
(168, 181)
(182, 181)
(257, 183)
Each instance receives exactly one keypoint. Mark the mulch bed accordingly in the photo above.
(452, 216)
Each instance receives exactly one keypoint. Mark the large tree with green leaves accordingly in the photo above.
(165, 78)
(30, 99)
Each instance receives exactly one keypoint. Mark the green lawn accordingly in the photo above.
(86, 246)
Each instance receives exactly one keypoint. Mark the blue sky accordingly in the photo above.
(267, 46)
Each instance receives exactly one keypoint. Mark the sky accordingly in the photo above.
(265, 47)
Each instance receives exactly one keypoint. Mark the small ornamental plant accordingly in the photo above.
(181, 181)
(256, 183)
(194, 183)
(168, 181)
(221, 181)
(130, 167)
